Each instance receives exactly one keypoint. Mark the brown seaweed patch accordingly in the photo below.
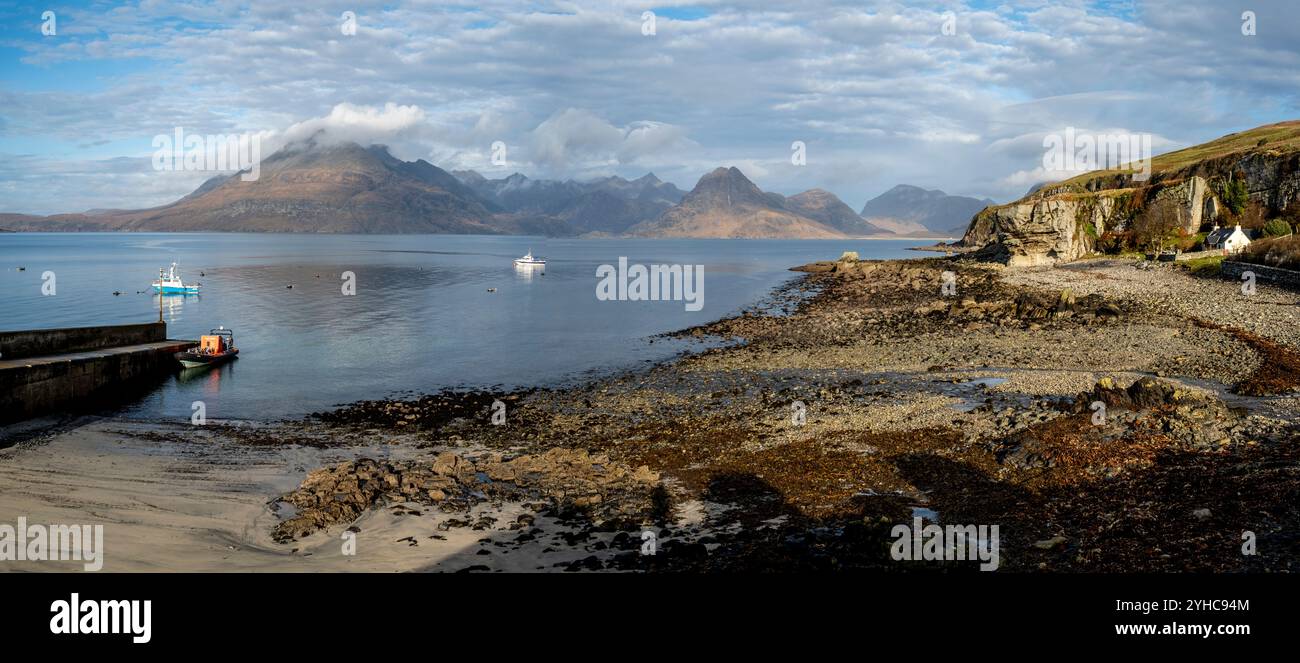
(1279, 368)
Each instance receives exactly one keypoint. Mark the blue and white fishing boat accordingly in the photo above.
(169, 283)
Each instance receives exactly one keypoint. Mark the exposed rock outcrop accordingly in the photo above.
(572, 481)
(1063, 221)
(1041, 230)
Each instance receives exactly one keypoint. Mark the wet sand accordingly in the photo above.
(174, 499)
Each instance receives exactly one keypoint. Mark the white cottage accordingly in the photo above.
(1229, 240)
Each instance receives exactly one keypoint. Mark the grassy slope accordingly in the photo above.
(1280, 137)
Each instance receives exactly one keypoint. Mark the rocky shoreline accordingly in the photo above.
(864, 395)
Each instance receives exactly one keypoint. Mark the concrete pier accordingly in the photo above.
(48, 370)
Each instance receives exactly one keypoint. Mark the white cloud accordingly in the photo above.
(577, 139)
(359, 124)
(574, 89)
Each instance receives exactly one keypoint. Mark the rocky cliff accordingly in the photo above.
(1063, 221)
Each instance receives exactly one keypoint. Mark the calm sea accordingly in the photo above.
(422, 318)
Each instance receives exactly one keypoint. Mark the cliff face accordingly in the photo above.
(1062, 221)
(1040, 232)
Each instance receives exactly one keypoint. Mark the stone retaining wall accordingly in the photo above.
(1275, 275)
(38, 342)
(60, 370)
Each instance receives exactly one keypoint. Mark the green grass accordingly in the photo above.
(1204, 266)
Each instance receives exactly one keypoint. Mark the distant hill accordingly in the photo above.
(724, 203)
(341, 188)
(306, 187)
(911, 210)
(56, 222)
(823, 206)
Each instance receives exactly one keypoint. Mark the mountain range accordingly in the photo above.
(346, 188)
(608, 205)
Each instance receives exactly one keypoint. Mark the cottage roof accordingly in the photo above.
(1219, 235)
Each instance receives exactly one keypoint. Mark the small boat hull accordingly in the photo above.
(176, 290)
(191, 359)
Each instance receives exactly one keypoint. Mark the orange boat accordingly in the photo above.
(214, 348)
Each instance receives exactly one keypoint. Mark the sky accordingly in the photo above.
(955, 95)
